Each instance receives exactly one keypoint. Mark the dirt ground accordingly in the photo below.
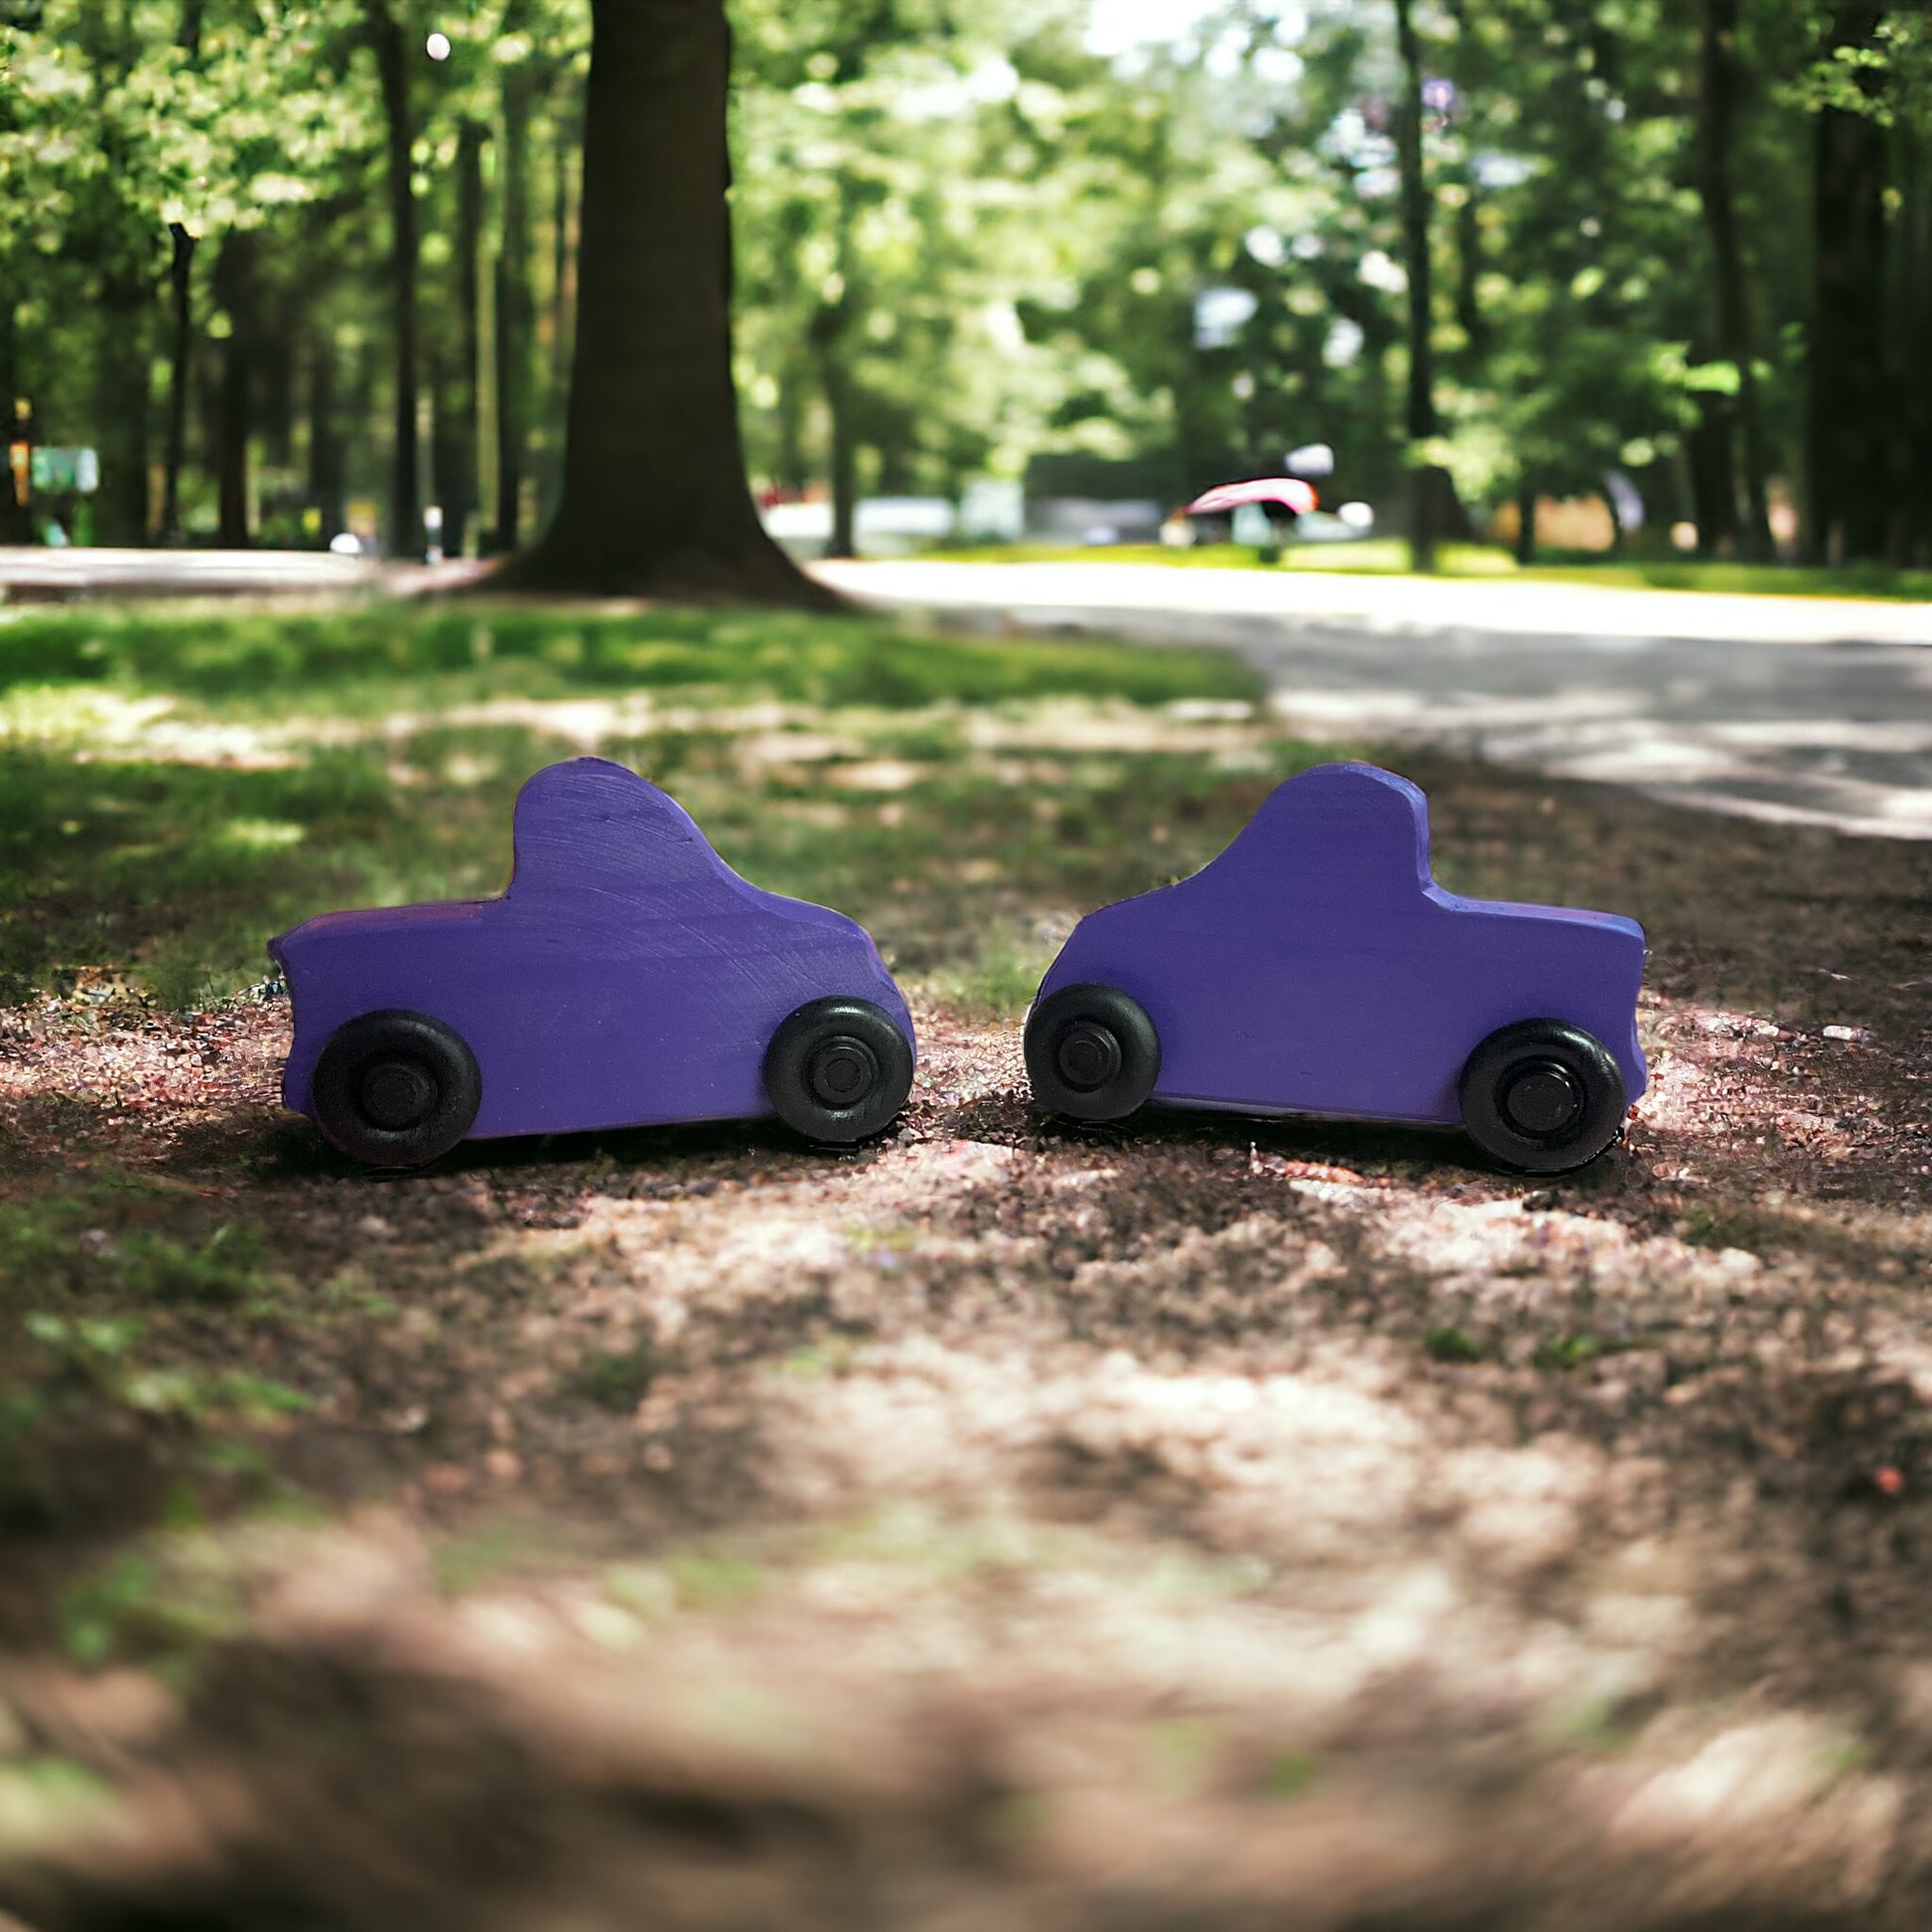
(1205, 1524)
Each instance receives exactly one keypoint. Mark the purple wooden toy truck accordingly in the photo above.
(627, 977)
(1316, 968)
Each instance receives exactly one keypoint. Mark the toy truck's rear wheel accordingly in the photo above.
(395, 1089)
(1543, 1097)
(839, 1070)
(1091, 1053)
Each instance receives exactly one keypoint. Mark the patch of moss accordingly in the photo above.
(619, 1381)
(1451, 1344)
(1568, 1351)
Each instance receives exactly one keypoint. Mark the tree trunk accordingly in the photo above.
(831, 332)
(1719, 83)
(181, 310)
(457, 397)
(1469, 317)
(1420, 415)
(1911, 239)
(276, 399)
(555, 405)
(392, 66)
(1849, 402)
(654, 497)
(1526, 524)
(1713, 479)
(234, 290)
(122, 392)
(844, 457)
(516, 307)
(16, 522)
(181, 348)
(327, 453)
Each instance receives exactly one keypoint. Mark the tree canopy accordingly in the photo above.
(301, 267)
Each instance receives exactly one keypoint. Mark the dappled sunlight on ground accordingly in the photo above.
(1200, 1521)
(1167, 1508)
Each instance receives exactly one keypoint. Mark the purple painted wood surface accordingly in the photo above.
(627, 977)
(1316, 967)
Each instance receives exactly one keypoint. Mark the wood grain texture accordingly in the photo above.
(1316, 967)
(627, 977)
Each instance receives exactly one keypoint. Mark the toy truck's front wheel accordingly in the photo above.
(1543, 1097)
(395, 1089)
(1092, 1054)
(839, 1070)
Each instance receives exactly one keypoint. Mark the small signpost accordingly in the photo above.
(59, 473)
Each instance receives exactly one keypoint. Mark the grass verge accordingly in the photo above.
(1389, 557)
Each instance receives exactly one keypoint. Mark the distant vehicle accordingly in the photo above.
(1274, 504)
(1349, 525)
(1316, 967)
(626, 978)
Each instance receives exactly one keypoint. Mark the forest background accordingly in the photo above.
(296, 267)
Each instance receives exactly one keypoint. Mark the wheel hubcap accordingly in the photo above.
(1087, 1055)
(397, 1094)
(1543, 1099)
(842, 1072)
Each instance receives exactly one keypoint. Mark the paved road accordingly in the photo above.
(1814, 710)
(38, 576)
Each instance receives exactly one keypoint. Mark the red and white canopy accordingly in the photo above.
(1290, 491)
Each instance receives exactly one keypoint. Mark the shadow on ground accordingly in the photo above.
(1203, 1523)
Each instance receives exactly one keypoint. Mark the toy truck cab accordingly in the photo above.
(1316, 967)
(627, 977)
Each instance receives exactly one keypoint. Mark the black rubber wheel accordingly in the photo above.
(1543, 1097)
(395, 1089)
(1091, 1053)
(839, 1070)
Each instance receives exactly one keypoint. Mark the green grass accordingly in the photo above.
(1389, 557)
(1750, 580)
(174, 790)
(280, 658)
(321, 761)
(167, 875)
(105, 1281)
(1374, 556)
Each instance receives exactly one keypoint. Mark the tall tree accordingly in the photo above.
(15, 524)
(1718, 85)
(181, 315)
(654, 496)
(237, 289)
(399, 123)
(1850, 397)
(515, 304)
(1911, 253)
(1427, 482)
(460, 366)
(831, 340)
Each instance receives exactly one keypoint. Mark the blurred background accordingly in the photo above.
(1627, 279)
(1202, 1522)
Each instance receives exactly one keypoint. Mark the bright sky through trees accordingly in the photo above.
(1118, 25)
(979, 254)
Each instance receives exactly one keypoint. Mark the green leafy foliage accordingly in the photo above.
(970, 245)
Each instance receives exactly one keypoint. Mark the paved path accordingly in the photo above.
(37, 576)
(1814, 710)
